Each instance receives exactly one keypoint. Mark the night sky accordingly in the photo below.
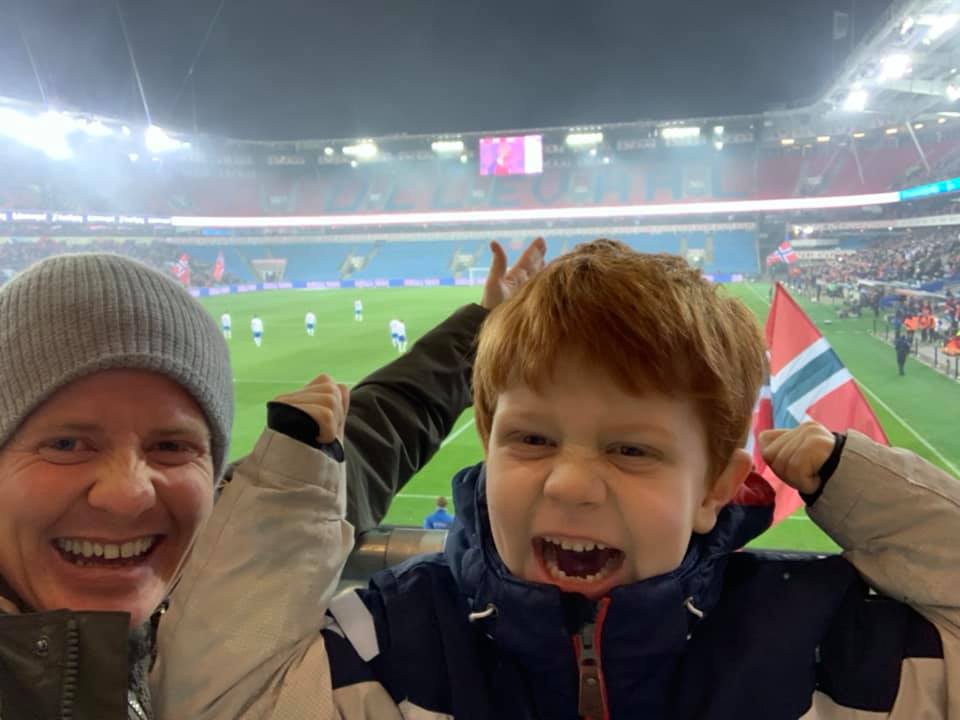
(284, 69)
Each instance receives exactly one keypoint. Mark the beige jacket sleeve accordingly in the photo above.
(241, 638)
(897, 518)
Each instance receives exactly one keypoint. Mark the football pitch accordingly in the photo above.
(920, 411)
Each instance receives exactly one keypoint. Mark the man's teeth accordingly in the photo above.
(575, 544)
(107, 551)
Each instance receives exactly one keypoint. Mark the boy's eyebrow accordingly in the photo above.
(520, 415)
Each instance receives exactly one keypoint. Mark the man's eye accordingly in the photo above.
(63, 444)
(170, 446)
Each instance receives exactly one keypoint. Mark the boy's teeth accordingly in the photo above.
(576, 545)
(108, 551)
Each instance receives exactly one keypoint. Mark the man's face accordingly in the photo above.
(103, 489)
(589, 487)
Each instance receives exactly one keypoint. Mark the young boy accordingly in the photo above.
(592, 569)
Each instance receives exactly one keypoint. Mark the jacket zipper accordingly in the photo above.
(71, 669)
(593, 704)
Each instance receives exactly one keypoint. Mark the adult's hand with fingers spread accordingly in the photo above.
(798, 454)
(326, 402)
(502, 284)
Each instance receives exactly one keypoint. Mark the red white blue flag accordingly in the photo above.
(181, 269)
(783, 254)
(807, 382)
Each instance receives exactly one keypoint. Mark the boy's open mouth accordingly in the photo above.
(576, 561)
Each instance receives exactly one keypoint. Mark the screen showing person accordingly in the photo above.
(515, 155)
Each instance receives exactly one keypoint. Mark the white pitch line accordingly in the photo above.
(953, 468)
(457, 433)
(909, 428)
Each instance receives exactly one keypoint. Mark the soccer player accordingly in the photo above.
(401, 336)
(227, 324)
(394, 334)
(256, 326)
(310, 320)
(358, 310)
(439, 519)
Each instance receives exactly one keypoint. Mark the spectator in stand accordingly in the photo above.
(439, 519)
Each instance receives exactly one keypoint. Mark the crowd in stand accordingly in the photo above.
(914, 259)
(16, 256)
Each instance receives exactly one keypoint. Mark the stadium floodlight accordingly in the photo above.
(157, 141)
(47, 132)
(125, 130)
(937, 25)
(823, 138)
(584, 139)
(464, 159)
(856, 100)
(447, 147)
(353, 163)
(133, 157)
(953, 93)
(859, 135)
(891, 131)
(680, 133)
(787, 142)
(606, 160)
(718, 144)
(918, 126)
(366, 150)
(328, 151)
(95, 128)
(718, 129)
(894, 67)
(941, 121)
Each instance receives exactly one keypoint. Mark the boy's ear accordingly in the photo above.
(722, 491)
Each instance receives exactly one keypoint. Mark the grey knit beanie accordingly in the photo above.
(73, 315)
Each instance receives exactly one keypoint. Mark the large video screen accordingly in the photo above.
(519, 155)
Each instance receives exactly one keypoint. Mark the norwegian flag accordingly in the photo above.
(181, 269)
(783, 254)
(807, 382)
(218, 267)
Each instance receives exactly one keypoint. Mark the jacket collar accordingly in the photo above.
(646, 624)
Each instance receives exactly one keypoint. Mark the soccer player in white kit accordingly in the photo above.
(310, 320)
(256, 326)
(358, 310)
(227, 324)
(401, 336)
(394, 334)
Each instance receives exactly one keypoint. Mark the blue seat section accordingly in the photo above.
(729, 251)
(411, 260)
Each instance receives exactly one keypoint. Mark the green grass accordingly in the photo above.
(923, 403)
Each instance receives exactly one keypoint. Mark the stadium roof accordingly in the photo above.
(906, 67)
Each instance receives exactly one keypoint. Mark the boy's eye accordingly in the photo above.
(534, 440)
(633, 451)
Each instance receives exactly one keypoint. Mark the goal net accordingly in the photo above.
(478, 275)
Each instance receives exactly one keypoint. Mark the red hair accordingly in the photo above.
(650, 321)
